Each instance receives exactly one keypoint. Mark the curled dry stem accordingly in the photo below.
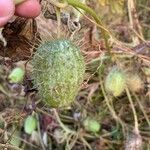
(66, 129)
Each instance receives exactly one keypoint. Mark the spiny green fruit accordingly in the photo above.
(30, 124)
(91, 125)
(16, 75)
(115, 82)
(58, 71)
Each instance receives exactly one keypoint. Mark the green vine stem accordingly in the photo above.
(65, 128)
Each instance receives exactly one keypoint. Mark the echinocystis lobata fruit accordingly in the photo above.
(115, 82)
(91, 125)
(16, 75)
(30, 124)
(58, 71)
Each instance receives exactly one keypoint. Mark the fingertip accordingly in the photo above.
(28, 9)
(7, 11)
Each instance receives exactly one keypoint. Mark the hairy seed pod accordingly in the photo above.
(91, 125)
(115, 82)
(30, 124)
(16, 75)
(58, 71)
(134, 82)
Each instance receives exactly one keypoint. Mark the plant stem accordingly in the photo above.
(134, 111)
(62, 125)
(58, 21)
(114, 115)
(142, 109)
(77, 4)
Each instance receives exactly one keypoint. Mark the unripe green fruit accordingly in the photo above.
(30, 124)
(91, 125)
(115, 82)
(58, 71)
(16, 75)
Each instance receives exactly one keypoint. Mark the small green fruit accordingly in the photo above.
(91, 125)
(17, 75)
(58, 71)
(115, 82)
(30, 124)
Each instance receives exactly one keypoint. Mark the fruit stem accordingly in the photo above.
(133, 110)
(59, 21)
(66, 129)
(111, 109)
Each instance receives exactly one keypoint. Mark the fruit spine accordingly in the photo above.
(58, 71)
